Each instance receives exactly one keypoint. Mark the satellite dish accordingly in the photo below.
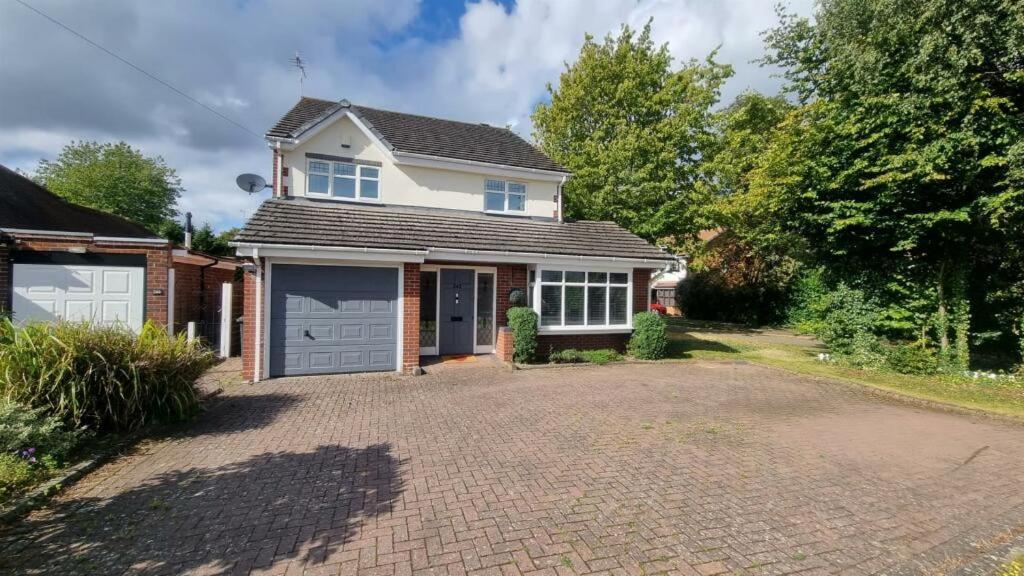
(251, 182)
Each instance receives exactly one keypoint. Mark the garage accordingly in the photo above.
(332, 319)
(108, 292)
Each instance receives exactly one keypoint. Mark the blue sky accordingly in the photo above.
(480, 61)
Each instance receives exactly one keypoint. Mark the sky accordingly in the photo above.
(480, 61)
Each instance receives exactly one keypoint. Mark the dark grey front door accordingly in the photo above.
(328, 319)
(456, 317)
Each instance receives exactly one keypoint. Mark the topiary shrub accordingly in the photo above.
(523, 322)
(649, 341)
(516, 297)
(102, 377)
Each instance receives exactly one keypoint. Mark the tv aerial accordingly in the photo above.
(251, 183)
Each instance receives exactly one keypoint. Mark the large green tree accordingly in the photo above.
(632, 128)
(115, 178)
(903, 167)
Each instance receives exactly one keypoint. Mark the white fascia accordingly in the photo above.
(329, 252)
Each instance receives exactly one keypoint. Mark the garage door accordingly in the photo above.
(100, 294)
(330, 319)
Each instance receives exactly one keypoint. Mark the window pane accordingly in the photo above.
(551, 276)
(344, 187)
(368, 188)
(550, 305)
(574, 305)
(619, 278)
(494, 201)
(617, 308)
(369, 172)
(484, 309)
(596, 305)
(494, 185)
(516, 188)
(318, 184)
(319, 167)
(575, 276)
(598, 277)
(344, 169)
(516, 202)
(428, 309)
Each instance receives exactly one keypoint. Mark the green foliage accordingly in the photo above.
(206, 240)
(572, 356)
(849, 322)
(101, 377)
(633, 131)
(517, 297)
(523, 322)
(808, 301)
(16, 473)
(32, 445)
(911, 359)
(649, 341)
(114, 178)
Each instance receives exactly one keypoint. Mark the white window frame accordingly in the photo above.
(358, 177)
(562, 328)
(505, 193)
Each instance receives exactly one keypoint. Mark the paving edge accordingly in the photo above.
(42, 494)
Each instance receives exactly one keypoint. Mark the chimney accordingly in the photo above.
(188, 230)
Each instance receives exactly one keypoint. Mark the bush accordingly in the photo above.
(911, 359)
(523, 322)
(102, 377)
(572, 356)
(649, 341)
(31, 446)
(848, 318)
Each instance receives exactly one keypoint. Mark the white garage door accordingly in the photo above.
(99, 294)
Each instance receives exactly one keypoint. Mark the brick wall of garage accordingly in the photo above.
(187, 280)
(411, 317)
(248, 325)
(158, 262)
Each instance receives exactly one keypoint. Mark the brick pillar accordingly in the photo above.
(641, 289)
(158, 262)
(411, 318)
(248, 325)
(509, 276)
(504, 347)
(5, 279)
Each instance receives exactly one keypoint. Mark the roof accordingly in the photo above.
(328, 223)
(413, 134)
(25, 205)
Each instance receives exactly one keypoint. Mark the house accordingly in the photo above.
(59, 260)
(664, 284)
(391, 236)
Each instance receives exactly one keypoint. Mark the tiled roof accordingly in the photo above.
(410, 133)
(305, 222)
(25, 205)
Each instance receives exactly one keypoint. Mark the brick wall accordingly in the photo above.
(411, 318)
(641, 289)
(509, 276)
(248, 325)
(158, 262)
(5, 279)
(505, 346)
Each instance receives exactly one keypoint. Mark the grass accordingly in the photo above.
(1006, 398)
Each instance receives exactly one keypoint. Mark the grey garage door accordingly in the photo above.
(328, 319)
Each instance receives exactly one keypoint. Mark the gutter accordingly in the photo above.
(84, 236)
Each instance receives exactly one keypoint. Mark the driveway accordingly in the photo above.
(696, 468)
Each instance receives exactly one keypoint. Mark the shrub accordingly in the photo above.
(523, 322)
(849, 317)
(649, 341)
(911, 359)
(102, 377)
(31, 446)
(516, 297)
(572, 356)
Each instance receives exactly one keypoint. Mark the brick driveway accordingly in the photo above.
(700, 468)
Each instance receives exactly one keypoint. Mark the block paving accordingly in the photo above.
(697, 469)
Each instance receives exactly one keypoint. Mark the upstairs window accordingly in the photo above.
(343, 180)
(502, 196)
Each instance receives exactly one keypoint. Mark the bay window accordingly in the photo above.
(343, 180)
(582, 300)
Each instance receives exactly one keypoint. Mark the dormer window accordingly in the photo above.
(343, 180)
(504, 197)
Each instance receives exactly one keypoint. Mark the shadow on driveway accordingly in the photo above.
(271, 507)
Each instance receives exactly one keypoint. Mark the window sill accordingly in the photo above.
(507, 212)
(342, 198)
(575, 330)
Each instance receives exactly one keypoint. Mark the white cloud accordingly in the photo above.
(233, 56)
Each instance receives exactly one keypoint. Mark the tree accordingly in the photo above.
(632, 130)
(899, 170)
(205, 240)
(115, 178)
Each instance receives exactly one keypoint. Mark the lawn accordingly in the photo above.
(712, 343)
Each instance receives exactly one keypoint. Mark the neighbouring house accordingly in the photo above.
(62, 261)
(665, 282)
(392, 236)
(198, 282)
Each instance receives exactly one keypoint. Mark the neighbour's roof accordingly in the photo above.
(25, 205)
(410, 133)
(327, 223)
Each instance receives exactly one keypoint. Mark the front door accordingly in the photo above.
(456, 317)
